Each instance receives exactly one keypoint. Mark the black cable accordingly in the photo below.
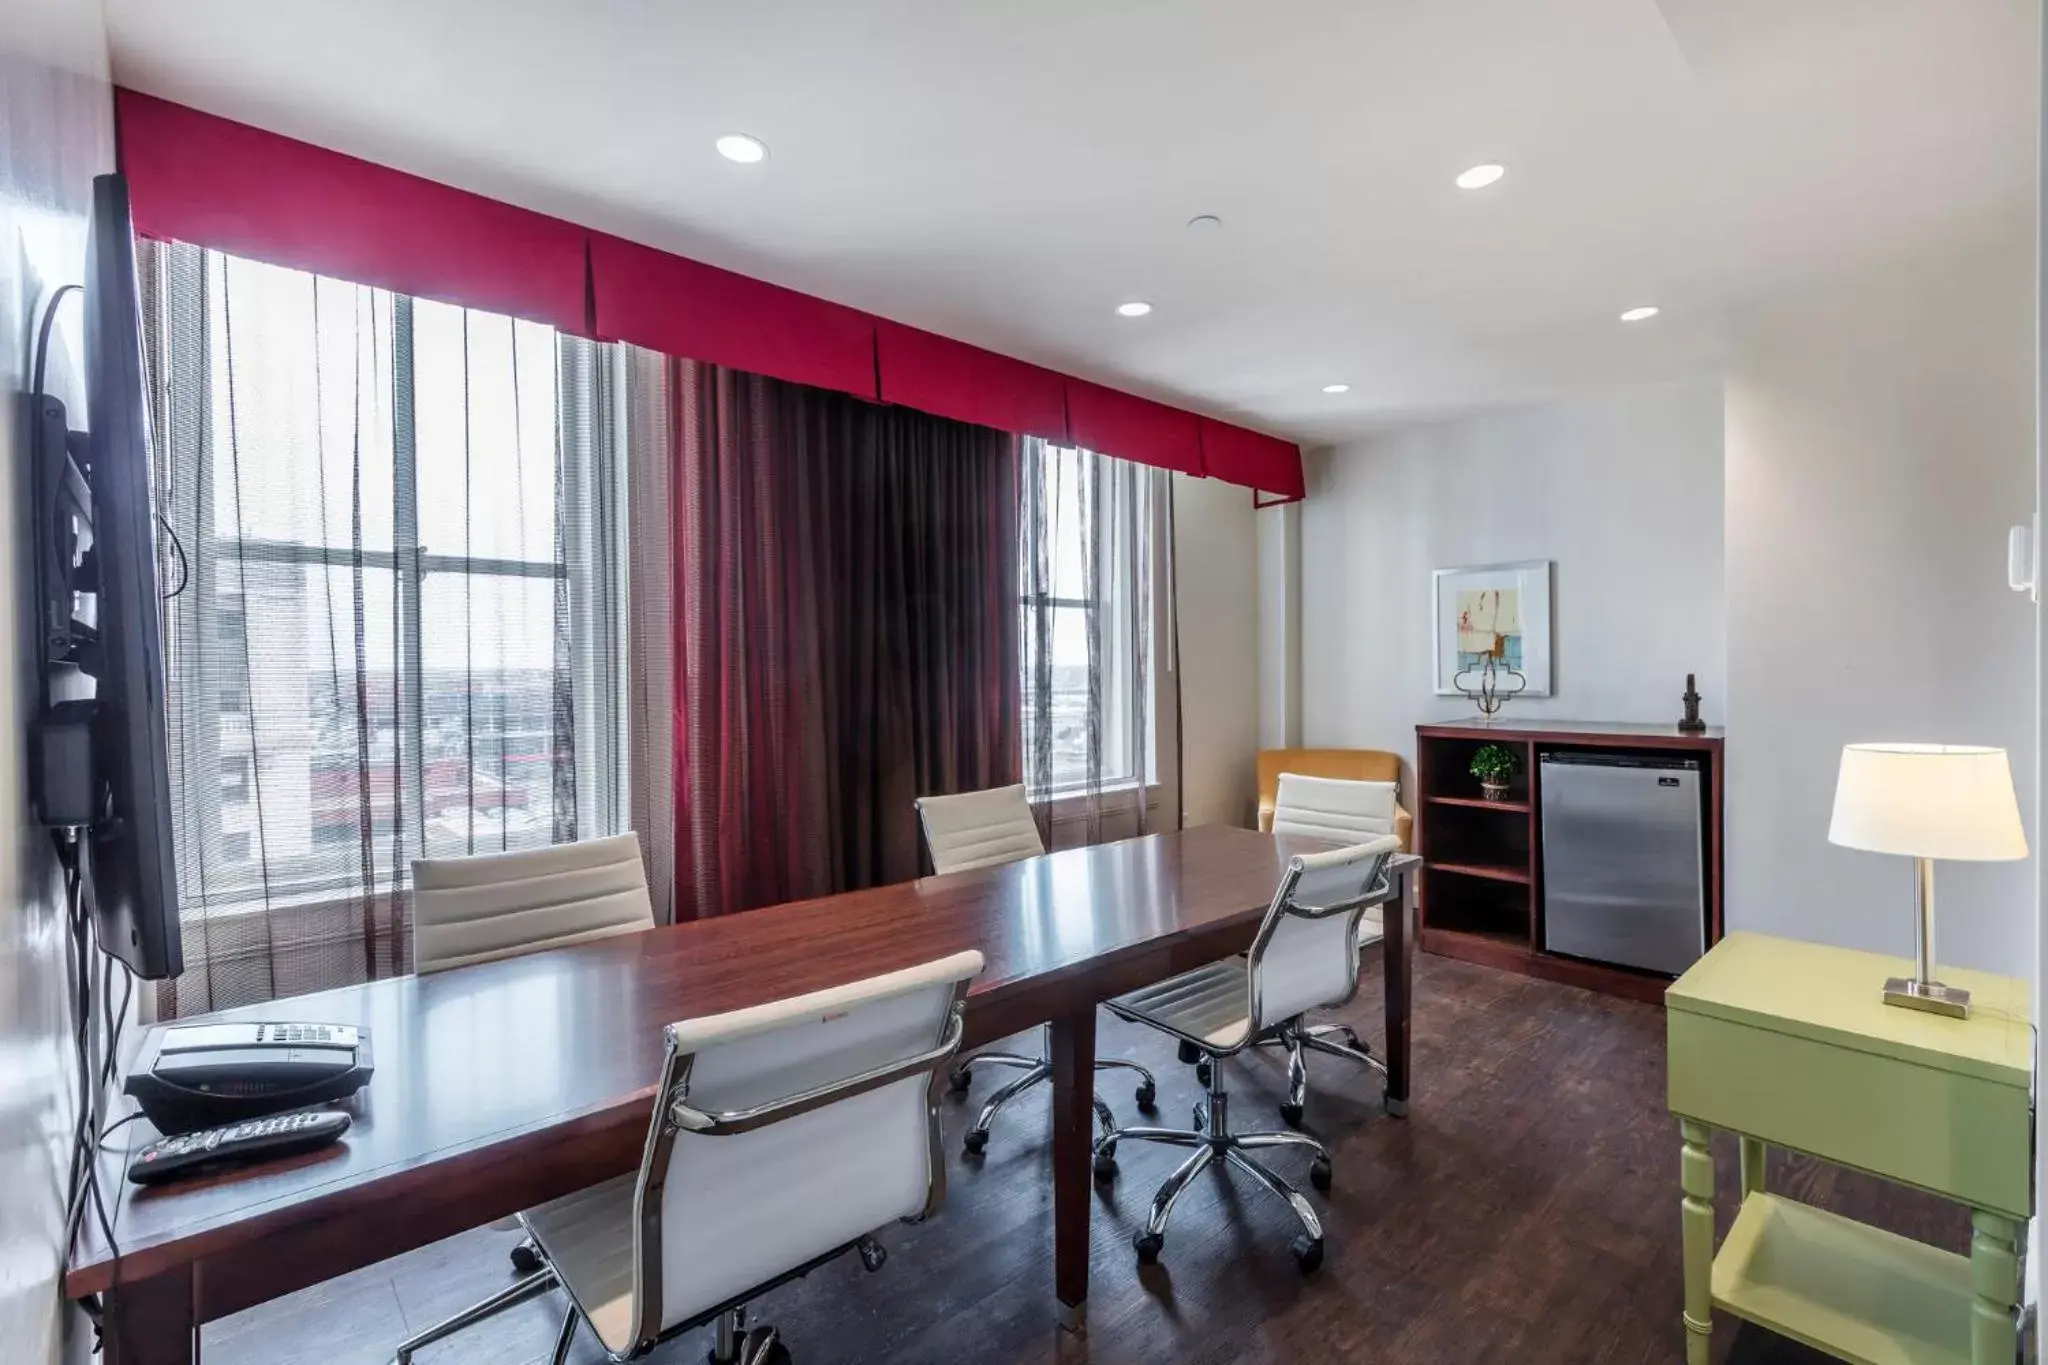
(117, 1024)
(80, 965)
(116, 1126)
(82, 1125)
(177, 548)
(88, 1136)
(99, 1205)
(90, 1303)
(43, 334)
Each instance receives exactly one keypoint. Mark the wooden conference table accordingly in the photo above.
(505, 1084)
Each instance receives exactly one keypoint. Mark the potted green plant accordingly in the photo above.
(1494, 765)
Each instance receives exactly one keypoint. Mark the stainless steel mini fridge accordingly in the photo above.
(1624, 863)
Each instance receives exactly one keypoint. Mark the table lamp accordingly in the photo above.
(1927, 801)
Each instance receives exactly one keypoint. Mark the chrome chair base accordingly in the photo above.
(532, 1286)
(1036, 1071)
(1301, 1038)
(1214, 1144)
(735, 1345)
(732, 1343)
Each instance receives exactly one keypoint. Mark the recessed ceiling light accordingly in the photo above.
(1205, 222)
(741, 148)
(1479, 177)
(1643, 314)
(1336, 388)
(1136, 308)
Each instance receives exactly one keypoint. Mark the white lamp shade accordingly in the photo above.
(1928, 801)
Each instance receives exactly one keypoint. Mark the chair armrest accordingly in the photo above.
(1404, 829)
(694, 1120)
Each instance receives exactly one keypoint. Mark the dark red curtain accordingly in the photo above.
(845, 633)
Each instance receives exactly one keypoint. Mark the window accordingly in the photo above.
(234, 779)
(230, 619)
(400, 628)
(1086, 603)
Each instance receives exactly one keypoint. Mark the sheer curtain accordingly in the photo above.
(1086, 561)
(399, 627)
(650, 664)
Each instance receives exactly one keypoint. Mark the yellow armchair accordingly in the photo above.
(1351, 765)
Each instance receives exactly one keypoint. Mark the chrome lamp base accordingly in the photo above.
(1921, 991)
(1931, 996)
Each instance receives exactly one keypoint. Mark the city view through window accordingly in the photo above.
(1086, 605)
(374, 650)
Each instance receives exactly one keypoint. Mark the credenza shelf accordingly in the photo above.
(1498, 874)
(1481, 803)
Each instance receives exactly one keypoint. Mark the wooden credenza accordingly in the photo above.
(1481, 888)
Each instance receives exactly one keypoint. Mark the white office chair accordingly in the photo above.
(499, 905)
(1343, 812)
(1301, 959)
(983, 829)
(782, 1136)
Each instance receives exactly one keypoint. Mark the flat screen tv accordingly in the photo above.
(130, 880)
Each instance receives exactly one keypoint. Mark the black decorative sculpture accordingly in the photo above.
(1690, 723)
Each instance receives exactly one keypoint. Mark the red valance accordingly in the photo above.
(1112, 422)
(196, 178)
(699, 312)
(936, 374)
(1251, 460)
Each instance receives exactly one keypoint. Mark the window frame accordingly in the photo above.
(1130, 763)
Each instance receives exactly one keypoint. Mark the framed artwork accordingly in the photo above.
(1501, 609)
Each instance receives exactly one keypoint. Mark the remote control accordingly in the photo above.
(169, 1158)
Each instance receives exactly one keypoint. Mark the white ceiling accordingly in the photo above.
(1008, 172)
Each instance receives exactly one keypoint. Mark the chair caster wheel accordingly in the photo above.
(1204, 1072)
(1290, 1114)
(1319, 1174)
(1308, 1253)
(1148, 1098)
(1105, 1165)
(1148, 1245)
(961, 1078)
(525, 1259)
(1189, 1054)
(976, 1141)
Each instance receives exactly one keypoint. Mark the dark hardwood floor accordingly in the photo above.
(1526, 1211)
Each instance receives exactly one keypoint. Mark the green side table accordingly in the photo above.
(1788, 1044)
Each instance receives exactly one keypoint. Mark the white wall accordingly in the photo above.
(1621, 489)
(1880, 442)
(55, 132)
(1279, 531)
(1217, 574)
